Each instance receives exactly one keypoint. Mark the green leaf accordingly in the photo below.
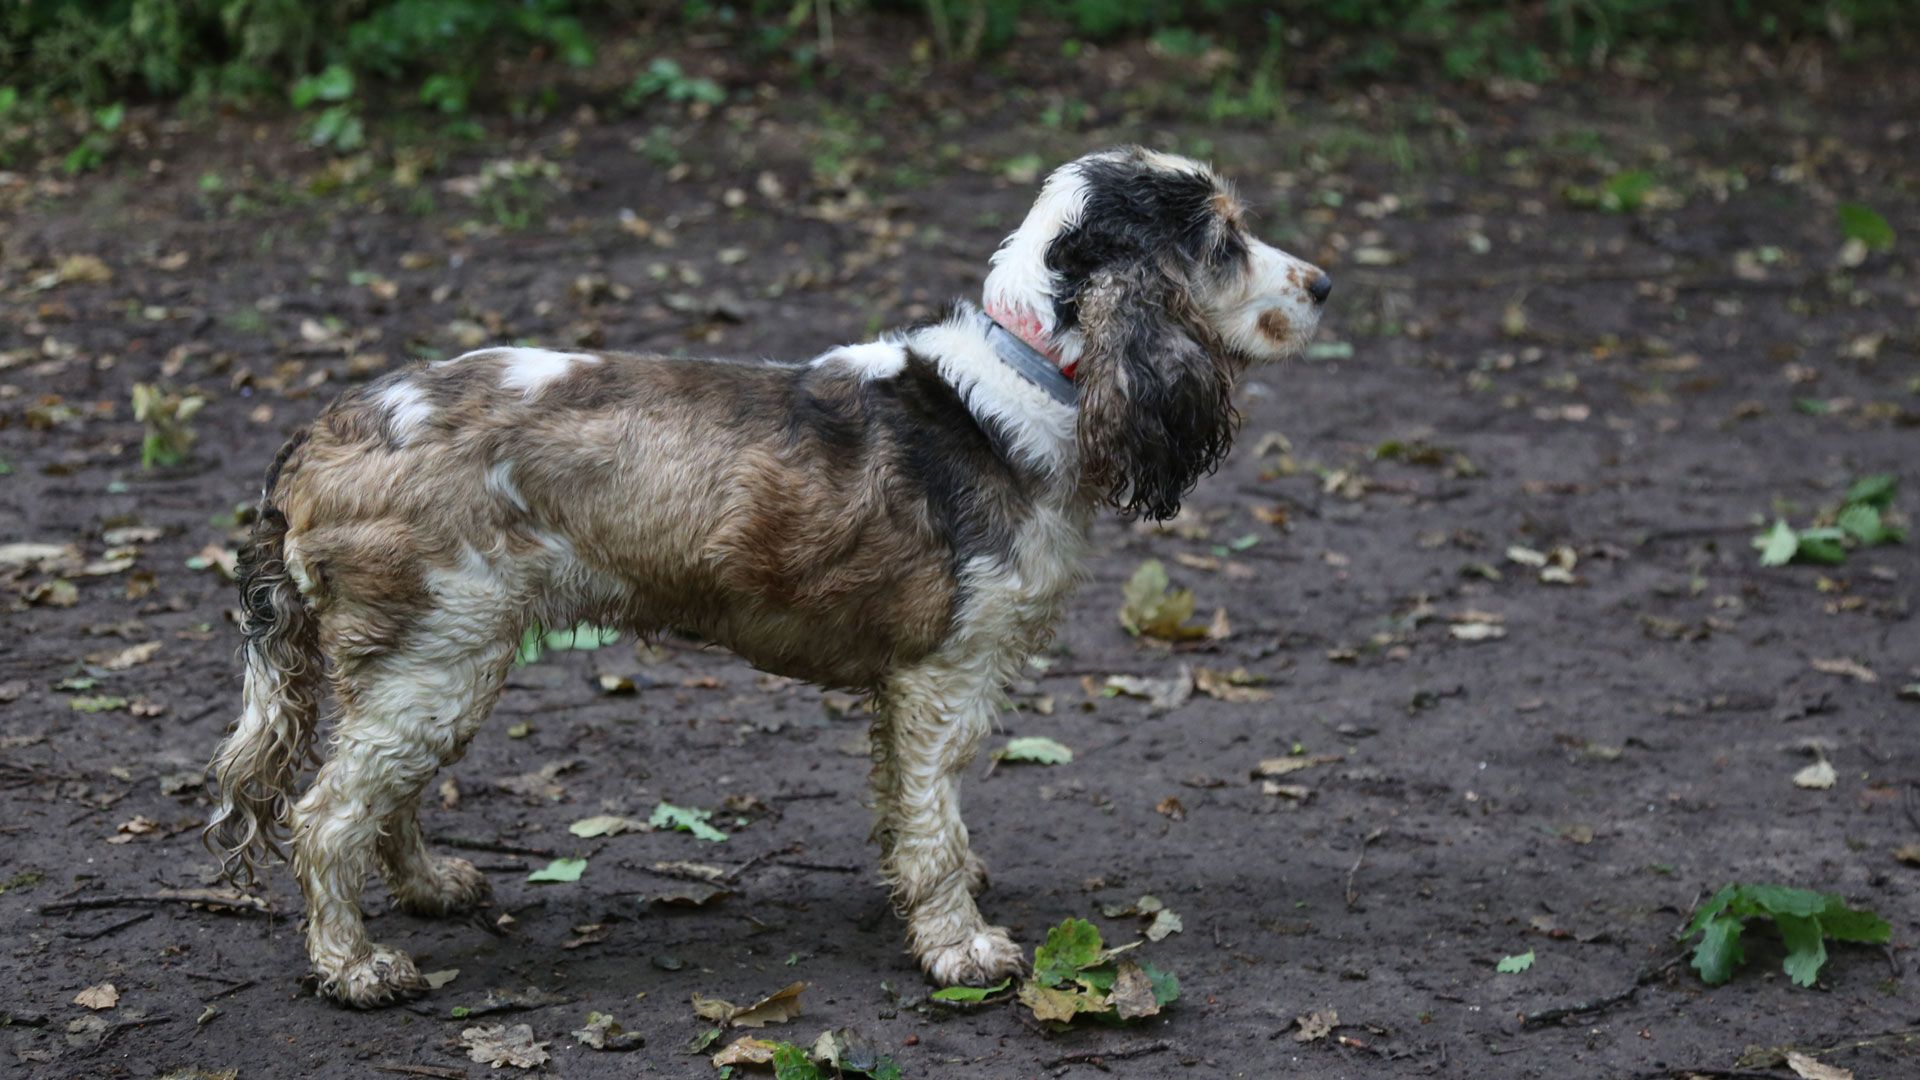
(1071, 947)
(1719, 951)
(686, 819)
(1034, 748)
(791, 1063)
(1843, 923)
(1862, 522)
(1875, 490)
(1151, 608)
(967, 994)
(1823, 546)
(1777, 545)
(1627, 191)
(98, 704)
(1806, 951)
(333, 84)
(1778, 900)
(561, 870)
(1862, 223)
(1715, 904)
(1514, 965)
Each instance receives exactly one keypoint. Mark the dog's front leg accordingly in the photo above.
(933, 719)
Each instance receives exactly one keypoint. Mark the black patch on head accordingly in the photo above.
(1135, 212)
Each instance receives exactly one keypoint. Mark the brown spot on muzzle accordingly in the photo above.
(1275, 324)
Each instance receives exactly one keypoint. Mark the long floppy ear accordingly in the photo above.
(1156, 398)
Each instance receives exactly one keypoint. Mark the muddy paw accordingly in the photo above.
(382, 977)
(983, 959)
(454, 887)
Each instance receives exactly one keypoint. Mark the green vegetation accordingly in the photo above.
(97, 52)
(1859, 521)
(1804, 918)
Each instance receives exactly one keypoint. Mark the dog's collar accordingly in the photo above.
(1028, 362)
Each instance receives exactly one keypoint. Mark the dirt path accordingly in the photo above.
(1634, 387)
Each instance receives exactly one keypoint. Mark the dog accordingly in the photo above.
(902, 517)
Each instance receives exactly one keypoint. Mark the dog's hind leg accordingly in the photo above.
(404, 713)
(934, 719)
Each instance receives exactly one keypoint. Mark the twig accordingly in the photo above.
(1353, 897)
(1099, 1058)
(439, 1071)
(1549, 1016)
(92, 935)
(831, 868)
(232, 905)
(734, 874)
(469, 843)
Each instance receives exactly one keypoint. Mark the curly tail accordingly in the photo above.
(256, 767)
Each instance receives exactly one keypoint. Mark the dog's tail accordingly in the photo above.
(255, 768)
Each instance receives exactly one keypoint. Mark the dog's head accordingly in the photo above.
(1135, 270)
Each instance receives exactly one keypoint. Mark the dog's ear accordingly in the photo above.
(1156, 390)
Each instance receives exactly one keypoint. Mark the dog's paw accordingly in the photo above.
(987, 956)
(454, 887)
(383, 977)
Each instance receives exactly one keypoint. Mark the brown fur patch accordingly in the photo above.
(1275, 325)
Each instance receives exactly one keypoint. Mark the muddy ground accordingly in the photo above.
(1638, 387)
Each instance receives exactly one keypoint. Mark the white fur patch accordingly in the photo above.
(870, 360)
(1274, 282)
(407, 410)
(1042, 429)
(499, 483)
(530, 370)
(1020, 278)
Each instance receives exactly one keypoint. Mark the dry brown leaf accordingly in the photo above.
(1851, 669)
(776, 1008)
(1132, 993)
(121, 660)
(1818, 776)
(97, 997)
(1235, 686)
(1281, 766)
(1807, 1068)
(500, 1044)
(1908, 853)
(745, 1050)
(1316, 1025)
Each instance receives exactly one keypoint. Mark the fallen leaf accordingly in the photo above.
(776, 1008)
(1160, 693)
(1235, 686)
(121, 660)
(1281, 766)
(1807, 1068)
(745, 1050)
(1477, 631)
(1132, 993)
(1908, 853)
(1513, 965)
(607, 825)
(603, 1032)
(560, 870)
(1316, 1025)
(437, 979)
(1036, 749)
(1849, 668)
(1296, 792)
(1818, 776)
(1151, 609)
(1164, 923)
(500, 1044)
(97, 997)
(685, 819)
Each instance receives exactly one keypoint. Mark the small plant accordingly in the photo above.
(168, 416)
(1859, 521)
(101, 137)
(664, 78)
(1804, 918)
(337, 127)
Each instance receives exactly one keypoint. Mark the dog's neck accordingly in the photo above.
(1031, 362)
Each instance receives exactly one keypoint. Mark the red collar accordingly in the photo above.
(1027, 326)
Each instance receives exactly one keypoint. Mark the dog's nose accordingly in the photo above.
(1320, 288)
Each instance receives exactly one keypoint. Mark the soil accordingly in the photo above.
(1639, 388)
